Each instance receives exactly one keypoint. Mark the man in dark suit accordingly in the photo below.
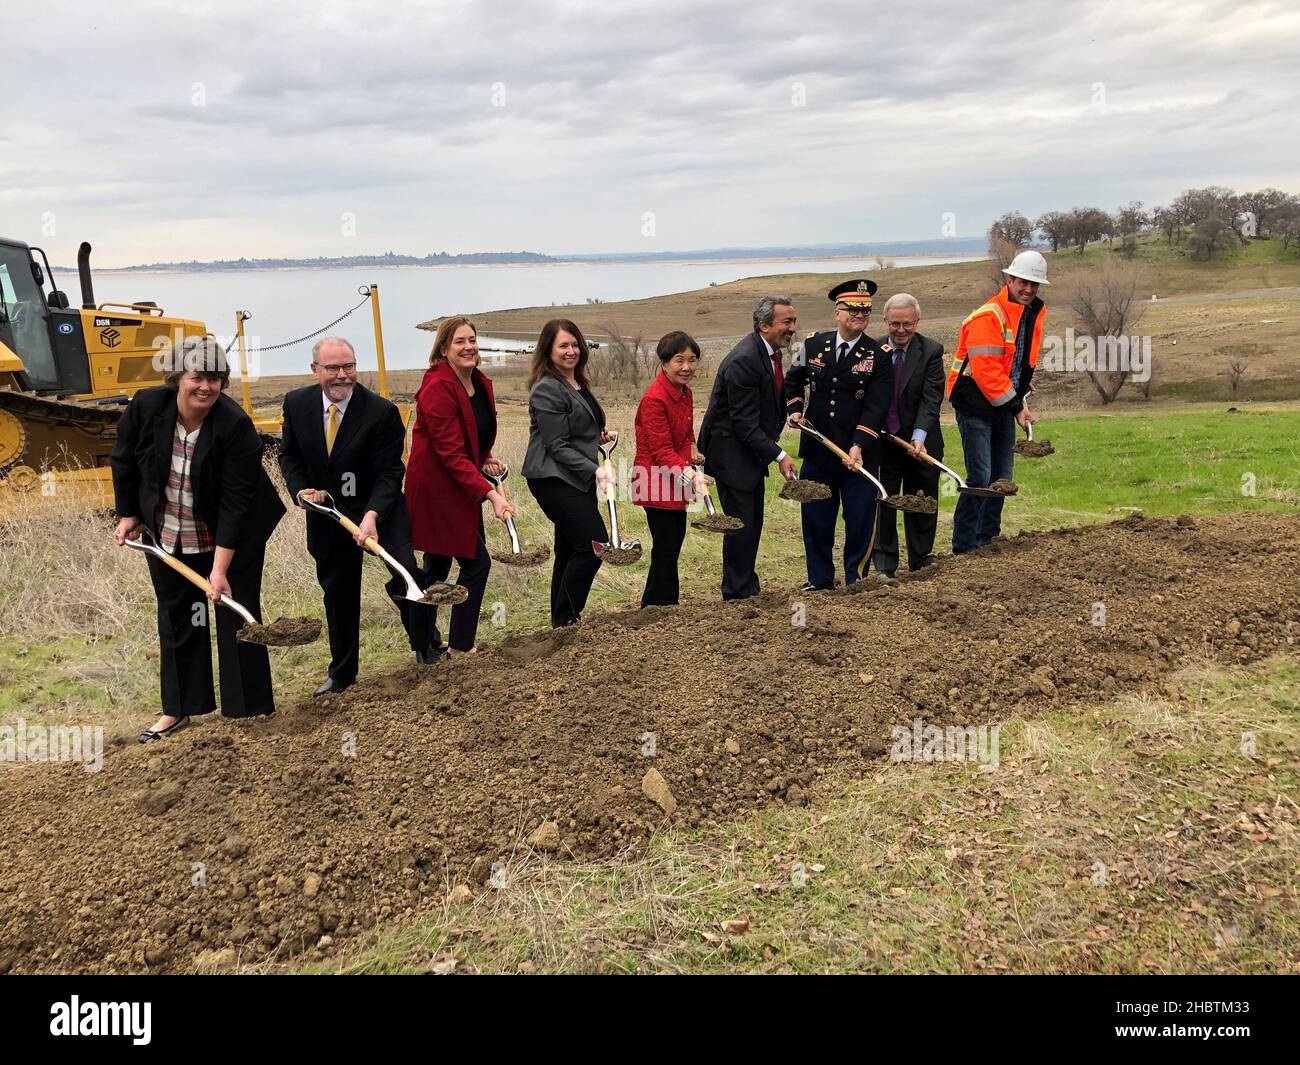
(850, 383)
(740, 432)
(913, 415)
(344, 439)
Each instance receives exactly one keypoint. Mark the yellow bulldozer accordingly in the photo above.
(66, 374)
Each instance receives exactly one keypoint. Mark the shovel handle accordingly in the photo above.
(330, 510)
(836, 449)
(189, 574)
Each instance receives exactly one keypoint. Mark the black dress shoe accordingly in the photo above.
(888, 574)
(331, 686)
(808, 586)
(431, 655)
(149, 735)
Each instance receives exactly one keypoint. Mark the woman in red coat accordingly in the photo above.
(665, 446)
(455, 428)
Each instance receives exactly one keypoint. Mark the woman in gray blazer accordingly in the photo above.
(562, 465)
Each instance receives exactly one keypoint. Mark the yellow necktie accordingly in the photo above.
(331, 429)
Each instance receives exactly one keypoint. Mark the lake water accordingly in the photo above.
(286, 304)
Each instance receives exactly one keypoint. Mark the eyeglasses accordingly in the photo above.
(348, 368)
(856, 312)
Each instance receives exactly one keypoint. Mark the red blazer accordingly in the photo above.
(445, 486)
(664, 439)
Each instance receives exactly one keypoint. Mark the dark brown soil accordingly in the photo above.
(261, 836)
(719, 523)
(917, 504)
(1034, 449)
(621, 556)
(528, 556)
(1005, 487)
(443, 594)
(802, 491)
(283, 632)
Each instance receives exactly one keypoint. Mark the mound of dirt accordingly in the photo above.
(1004, 487)
(259, 837)
(1034, 449)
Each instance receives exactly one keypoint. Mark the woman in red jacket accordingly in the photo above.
(455, 428)
(665, 446)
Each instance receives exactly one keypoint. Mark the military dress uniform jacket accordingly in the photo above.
(843, 394)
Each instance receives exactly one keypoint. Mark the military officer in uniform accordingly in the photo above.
(849, 381)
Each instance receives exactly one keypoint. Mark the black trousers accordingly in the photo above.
(667, 533)
(897, 470)
(740, 549)
(473, 575)
(819, 519)
(576, 517)
(338, 569)
(185, 639)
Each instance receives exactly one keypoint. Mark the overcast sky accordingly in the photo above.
(215, 130)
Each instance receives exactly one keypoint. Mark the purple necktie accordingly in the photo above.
(892, 421)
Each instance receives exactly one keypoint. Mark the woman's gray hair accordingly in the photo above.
(902, 299)
(765, 312)
(202, 354)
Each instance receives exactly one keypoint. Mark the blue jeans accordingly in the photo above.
(987, 445)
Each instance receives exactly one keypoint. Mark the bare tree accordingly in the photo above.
(1001, 252)
(622, 360)
(1108, 309)
(1236, 371)
(1209, 235)
(1130, 221)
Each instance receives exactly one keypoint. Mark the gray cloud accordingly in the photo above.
(688, 110)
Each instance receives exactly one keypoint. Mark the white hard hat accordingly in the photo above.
(1029, 266)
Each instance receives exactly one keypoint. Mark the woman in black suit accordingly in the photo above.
(187, 466)
(562, 464)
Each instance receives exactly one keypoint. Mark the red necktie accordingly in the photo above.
(780, 377)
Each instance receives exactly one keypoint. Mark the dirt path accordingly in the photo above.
(257, 839)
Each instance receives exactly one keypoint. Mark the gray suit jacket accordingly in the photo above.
(563, 434)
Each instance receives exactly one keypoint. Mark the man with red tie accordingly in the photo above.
(739, 436)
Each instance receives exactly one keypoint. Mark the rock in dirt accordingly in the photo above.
(655, 788)
(480, 868)
(157, 801)
(732, 745)
(460, 895)
(545, 837)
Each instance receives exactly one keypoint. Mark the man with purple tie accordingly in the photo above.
(913, 415)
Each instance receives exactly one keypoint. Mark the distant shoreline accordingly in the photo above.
(964, 256)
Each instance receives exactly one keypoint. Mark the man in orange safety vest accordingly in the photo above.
(987, 387)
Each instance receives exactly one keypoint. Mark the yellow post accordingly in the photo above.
(379, 341)
(240, 318)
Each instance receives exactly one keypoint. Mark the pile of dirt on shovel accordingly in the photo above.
(285, 837)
